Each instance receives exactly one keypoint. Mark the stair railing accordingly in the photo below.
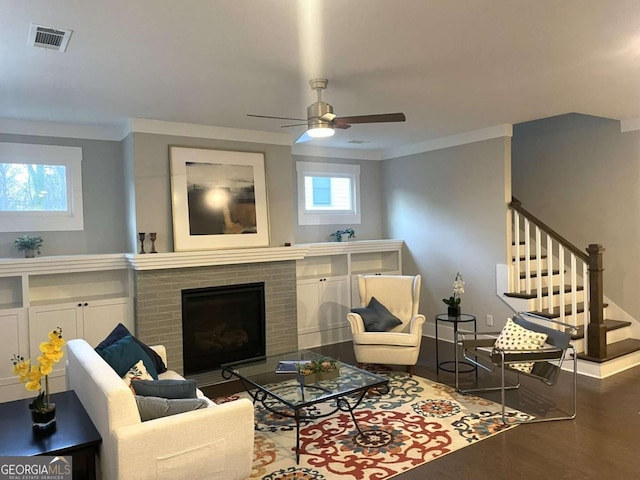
(551, 253)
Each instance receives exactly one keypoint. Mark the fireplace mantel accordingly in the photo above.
(158, 261)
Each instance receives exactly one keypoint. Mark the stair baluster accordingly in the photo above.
(533, 240)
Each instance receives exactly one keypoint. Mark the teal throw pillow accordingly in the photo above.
(120, 331)
(124, 354)
(376, 317)
(154, 407)
(165, 388)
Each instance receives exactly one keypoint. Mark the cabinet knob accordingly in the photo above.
(86, 304)
(79, 304)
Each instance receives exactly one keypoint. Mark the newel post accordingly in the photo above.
(596, 331)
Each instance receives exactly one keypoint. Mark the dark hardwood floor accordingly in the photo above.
(603, 442)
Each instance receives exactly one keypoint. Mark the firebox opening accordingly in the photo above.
(222, 324)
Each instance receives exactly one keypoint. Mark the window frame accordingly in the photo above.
(328, 217)
(30, 221)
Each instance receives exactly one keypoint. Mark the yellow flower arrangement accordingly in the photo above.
(31, 375)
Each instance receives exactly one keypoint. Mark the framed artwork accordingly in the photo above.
(219, 199)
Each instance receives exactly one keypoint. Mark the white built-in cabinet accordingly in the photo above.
(87, 296)
(327, 285)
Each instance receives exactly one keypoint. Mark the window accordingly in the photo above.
(328, 193)
(321, 191)
(40, 188)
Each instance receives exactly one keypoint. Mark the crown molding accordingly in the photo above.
(160, 127)
(63, 130)
(504, 130)
(331, 152)
(630, 124)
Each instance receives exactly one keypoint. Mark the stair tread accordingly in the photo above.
(609, 323)
(545, 292)
(543, 273)
(522, 258)
(615, 350)
(555, 313)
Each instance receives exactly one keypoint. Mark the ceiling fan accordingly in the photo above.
(321, 121)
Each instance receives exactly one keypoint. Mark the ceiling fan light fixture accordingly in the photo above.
(321, 131)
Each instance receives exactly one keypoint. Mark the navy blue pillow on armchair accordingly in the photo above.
(376, 317)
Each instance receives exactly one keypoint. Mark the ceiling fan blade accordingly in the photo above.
(294, 125)
(384, 117)
(305, 137)
(342, 126)
(277, 118)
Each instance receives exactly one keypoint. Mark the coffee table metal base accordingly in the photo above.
(269, 400)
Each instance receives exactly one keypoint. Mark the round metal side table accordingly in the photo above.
(464, 367)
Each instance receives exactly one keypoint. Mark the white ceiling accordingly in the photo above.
(451, 66)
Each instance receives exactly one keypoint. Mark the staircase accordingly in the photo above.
(552, 278)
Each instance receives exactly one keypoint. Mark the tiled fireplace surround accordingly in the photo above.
(158, 309)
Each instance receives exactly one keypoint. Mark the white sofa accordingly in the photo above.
(211, 443)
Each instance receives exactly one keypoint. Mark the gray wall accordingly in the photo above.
(370, 227)
(581, 176)
(450, 208)
(104, 201)
(153, 184)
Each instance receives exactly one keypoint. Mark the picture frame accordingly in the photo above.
(218, 199)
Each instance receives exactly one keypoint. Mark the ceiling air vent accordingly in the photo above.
(47, 37)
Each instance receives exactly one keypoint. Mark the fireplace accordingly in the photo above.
(222, 324)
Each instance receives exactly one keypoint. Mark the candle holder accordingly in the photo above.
(141, 236)
(152, 237)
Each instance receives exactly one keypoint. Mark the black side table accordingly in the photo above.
(466, 366)
(74, 435)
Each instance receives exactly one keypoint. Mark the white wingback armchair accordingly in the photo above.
(400, 294)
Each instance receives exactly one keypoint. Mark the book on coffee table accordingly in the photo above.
(289, 366)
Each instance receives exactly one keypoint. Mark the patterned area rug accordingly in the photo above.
(417, 421)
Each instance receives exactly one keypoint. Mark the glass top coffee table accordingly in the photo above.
(286, 394)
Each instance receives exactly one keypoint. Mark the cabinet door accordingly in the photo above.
(101, 316)
(43, 319)
(11, 326)
(334, 302)
(308, 304)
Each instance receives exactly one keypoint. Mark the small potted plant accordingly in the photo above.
(339, 233)
(453, 302)
(30, 245)
(317, 371)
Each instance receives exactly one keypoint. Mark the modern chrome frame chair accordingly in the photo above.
(480, 350)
